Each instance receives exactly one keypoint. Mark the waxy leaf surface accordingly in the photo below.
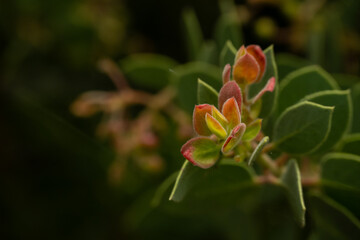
(231, 112)
(291, 179)
(340, 179)
(215, 180)
(269, 99)
(303, 82)
(341, 117)
(201, 151)
(229, 90)
(199, 122)
(303, 127)
(234, 138)
(252, 130)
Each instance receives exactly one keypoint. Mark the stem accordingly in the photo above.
(269, 164)
(111, 69)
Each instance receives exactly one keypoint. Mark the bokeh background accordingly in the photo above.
(54, 170)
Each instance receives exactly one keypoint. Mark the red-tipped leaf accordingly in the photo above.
(246, 69)
(226, 73)
(258, 54)
(229, 90)
(201, 151)
(269, 87)
(231, 112)
(199, 123)
(234, 139)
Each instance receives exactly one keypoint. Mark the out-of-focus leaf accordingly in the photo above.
(355, 96)
(227, 28)
(185, 77)
(303, 82)
(340, 179)
(332, 220)
(147, 71)
(288, 63)
(346, 81)
(350, 144)
(193, 34)
(206, 94)
(303, 127)
(269, 99)
(292, 181)
(341, 117)
(227, 175)
(258, 150)
(208, 53)
(227, 55)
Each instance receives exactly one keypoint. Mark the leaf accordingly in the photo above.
(228, 28)
(193, 34)
(227, 174)
(340, 179)
(332, 220)
(342, 115)
(215, 127)
(303, 82)
(269, 99)
(147, 71)
(303, 127)
(185, 78)
(246, 69)
(231, 112)
(291, 179)
(208, 52)
(201, 151)
(234, 138)
(229, 90)
(287, 63)
(252, 130)
(258, 150)
(160, 191)
(199, 122)
(206, 94)
(351, 144)
(355, 96)
(227, 54)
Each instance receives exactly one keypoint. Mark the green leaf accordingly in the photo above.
(269, 99)
(206, 94)
(208, 53)
(161, 190)
(303, 127)
(228, 174)
(227, 55)
(185, 77)
(252, 130)
(341, 117)
(227, 28)
(258, 150)
(201, 151)
(332, 220)
(346, 81)
(351, 144)
(355, 96)
(147, 71)
(291, 179)
(288, 63)
(340, 179)
(193, 34)
(303, 82)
